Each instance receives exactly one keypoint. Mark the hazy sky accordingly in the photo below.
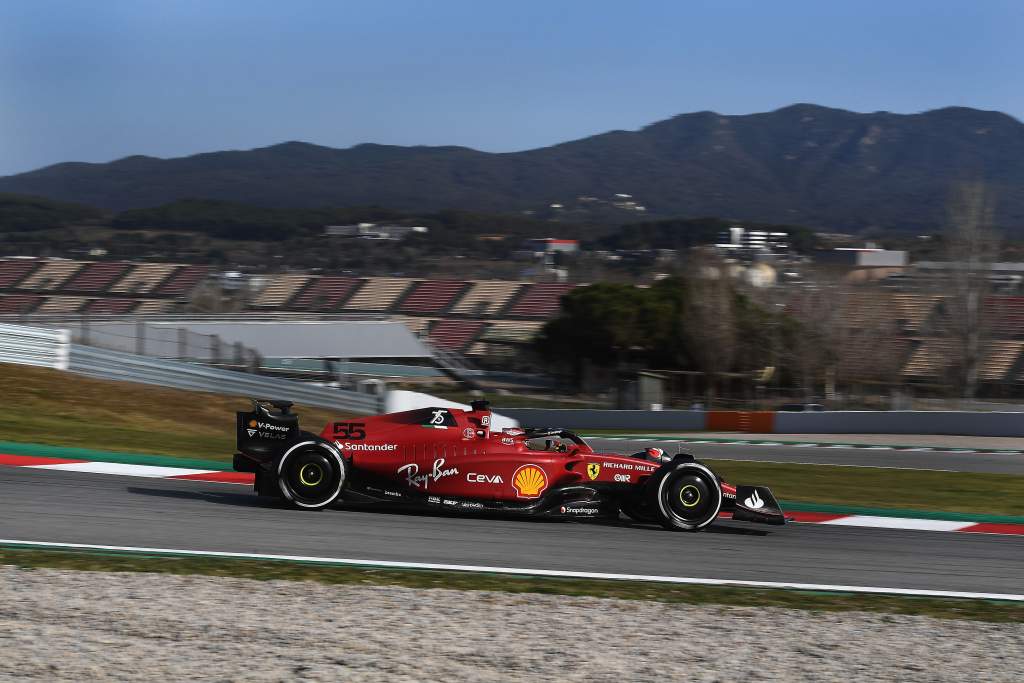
(96, 80)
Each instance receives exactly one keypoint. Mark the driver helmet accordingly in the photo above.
(656, 454)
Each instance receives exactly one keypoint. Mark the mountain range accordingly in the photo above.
(803, 164)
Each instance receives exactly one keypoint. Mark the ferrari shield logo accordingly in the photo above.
(593, 469)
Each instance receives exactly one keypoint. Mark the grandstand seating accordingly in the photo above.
(487, 298)
(279, 290)
(325, 293)
(19, 303)
(539, 300)
(151, 307)
(377, 294)
(182, 281)
(61, 304)
(1006, 316)
(110, 306)
(1001, 357)
(14, 270)
(872, 357)
(431, 297)
(522, 331)
(912, 311)
(930, 360)
(454, 335)
(95, 277)
(143, 278)
(416, 325)
(51, 275)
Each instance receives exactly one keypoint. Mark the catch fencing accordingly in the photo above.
(51, 348)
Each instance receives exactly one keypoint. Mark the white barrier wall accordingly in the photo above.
(836, 422)
(398, 400)
(574, 418)
(901, 422)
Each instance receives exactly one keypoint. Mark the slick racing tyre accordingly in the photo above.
(688, 497)
(311, 474)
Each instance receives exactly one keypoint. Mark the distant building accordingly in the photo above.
(750, 245)
(551, 245)
(864, 263)
(372, 231)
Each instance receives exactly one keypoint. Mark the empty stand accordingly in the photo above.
(143, 278)
(518, 331)
(183, 281)
(1005, 315)
(912, 311)
(431, 296)
(873, 357)
(51, 275)
(280, 289)
(1001, 357)
(378, 294)
(110, 306)
(325, 293)
(454, 335)
(931, 360)
(151, 307)
(539, 300)
(13, 271)
(487, 299)
(95, 277)
(416, 325)
(19, 303)
(61, 304)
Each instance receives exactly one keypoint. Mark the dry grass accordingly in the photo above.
(63, 409)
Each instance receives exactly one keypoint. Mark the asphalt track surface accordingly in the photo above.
(66, 507)
(953, 461)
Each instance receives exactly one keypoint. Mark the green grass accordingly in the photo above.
(968, 492)
(62, 409)
(980, 610)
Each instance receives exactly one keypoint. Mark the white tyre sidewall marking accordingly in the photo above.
(716, 486)
(319, 444)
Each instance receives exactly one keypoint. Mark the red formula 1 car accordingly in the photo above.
(450, 459)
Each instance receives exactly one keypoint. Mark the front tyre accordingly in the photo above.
(311, 474)
(688, 497)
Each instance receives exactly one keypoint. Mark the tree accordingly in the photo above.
(973, 246)
(709, 319)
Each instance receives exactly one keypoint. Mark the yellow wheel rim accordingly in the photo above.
(695, 500)
(310, 474)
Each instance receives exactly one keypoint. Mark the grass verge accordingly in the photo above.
(967, 492)
(63, 409)
(978, 610)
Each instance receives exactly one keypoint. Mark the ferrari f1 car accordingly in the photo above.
(451, 459)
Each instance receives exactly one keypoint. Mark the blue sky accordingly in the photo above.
(98, 80)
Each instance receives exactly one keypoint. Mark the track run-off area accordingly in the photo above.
(60, 506)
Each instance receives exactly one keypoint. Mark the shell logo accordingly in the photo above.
(252, 423)
(529, 481)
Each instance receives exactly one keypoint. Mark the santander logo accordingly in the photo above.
(754, 501)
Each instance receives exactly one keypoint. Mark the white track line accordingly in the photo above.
(529, 572)
(97, 467)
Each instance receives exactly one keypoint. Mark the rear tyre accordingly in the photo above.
(688, 497)
(311, 474)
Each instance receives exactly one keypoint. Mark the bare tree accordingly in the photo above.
(972, 247)
(709, 320)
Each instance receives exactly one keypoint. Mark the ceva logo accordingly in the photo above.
(475, 478)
